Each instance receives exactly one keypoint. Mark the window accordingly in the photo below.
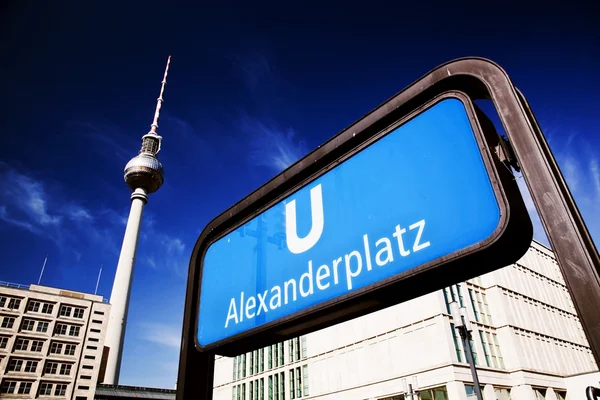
(480, 307)
(87, 366)
(244, 367)
(37, 345)
(235, 360)
(252, 363)
(56, 348)
(262, 389)
(13, 304)
(89, 357)
(74, 330)
(95, 330)
(99, 312)
(457, 347)
(45, 389)
(21, 344)
(42, 326)
(86, 377)
(304, 354)
(281, 386)
(61, 329)
(96, 321)
(2, 301)
(540, 394)
(292, 386)
(3, 342)
(31, 366)
(305, 379)
(78, 313)
(491, 349)
(470, 391)
(47, 308)
(61, 389)
(93, 339)
(281, 356)
(262, 360)
(51, 368)
(7, 322)
(15, 365)
(92, 348)
(70, 349)
(24, 388)
(65, 369)
(473, 351)
(8, 387)
(33, 306)
(276, 387)
(83, 387)
(27, 325)
(270, 357)
(65, 311)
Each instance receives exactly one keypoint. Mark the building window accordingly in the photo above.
(78, 313)
(65, 369)
(45, 389)
(305, 379)
(292, 384)
(86, 377)
(560, 395)
(540, 394)
(88, 357)
(37, 345)
(14, 304)
(65, 311)
(2, 301)
(87, 366)
(276, 387)
(480, 307)
(74, 330)
(61, 389)
(99, 312)
(304, 354)
(27, 325)
(70, 349)
(235, 367)
(473, 351)
(61, 329)
(491, 349)
(33, 306)
(8, 387)
(7, 322)
(262, 360)
(24, 388)
(281, 355)
(15, 365)
(47, 308)
(93, 339)
(457, 346)
(3, 342)
(56, 348)
(21, 344)
(251, 363)
(96, 321)
(42, 327)
(51, 368)
(470, 391)
(31, 366)
(94, 330)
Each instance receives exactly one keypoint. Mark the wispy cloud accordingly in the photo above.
(270, 146)
(579, 165)
(162, 334)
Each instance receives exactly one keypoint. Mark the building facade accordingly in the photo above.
(51, 342)
(527, 341)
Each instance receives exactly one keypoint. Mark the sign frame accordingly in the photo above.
(571, 242)
(509, 241)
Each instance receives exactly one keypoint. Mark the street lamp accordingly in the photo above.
(462, 323)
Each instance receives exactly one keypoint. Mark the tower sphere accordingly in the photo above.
(144, 171)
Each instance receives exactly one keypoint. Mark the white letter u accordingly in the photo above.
(300, 245)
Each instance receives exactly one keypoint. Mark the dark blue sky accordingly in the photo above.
(252, 87)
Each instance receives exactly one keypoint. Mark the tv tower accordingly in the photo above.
(144, 175)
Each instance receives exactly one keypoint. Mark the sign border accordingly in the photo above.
(276, 190)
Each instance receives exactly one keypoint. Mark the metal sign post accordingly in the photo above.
(382, 213)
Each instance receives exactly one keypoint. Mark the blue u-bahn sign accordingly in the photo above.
(421, 193)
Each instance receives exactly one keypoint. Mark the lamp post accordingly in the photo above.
(462, 323)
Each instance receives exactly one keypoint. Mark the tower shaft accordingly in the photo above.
(121, 290)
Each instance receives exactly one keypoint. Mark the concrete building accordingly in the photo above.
(527, 340)
(51, 342)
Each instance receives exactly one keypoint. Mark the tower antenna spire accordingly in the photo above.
(159, 101)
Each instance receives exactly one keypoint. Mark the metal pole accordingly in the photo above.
(42, 273)
(466, 336)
